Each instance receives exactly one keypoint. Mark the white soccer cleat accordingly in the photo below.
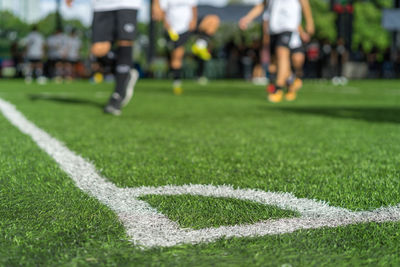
(130, 87)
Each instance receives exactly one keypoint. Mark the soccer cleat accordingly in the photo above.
(177, 88)
(173, 35)
(296, 85)
(201, 52)
(114, 105)
(291, 95)
(275, 97)
(130, 87)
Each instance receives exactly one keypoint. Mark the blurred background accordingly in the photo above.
(355, 39)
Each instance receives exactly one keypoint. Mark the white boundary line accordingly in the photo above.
(148, 228)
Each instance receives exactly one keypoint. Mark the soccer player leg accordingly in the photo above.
(39, 73)
(298, 59)
(207, 28)
(28, 72)
(176, 68)
(272, 68)
(283, 65)
(125, 75)
(103, 29)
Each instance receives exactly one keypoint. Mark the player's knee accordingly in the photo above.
(125, 43)
(298, 60)
(176, 61)
(176, 64)
(272, 68)
(101, 49)
(214, 21)
(210, 24)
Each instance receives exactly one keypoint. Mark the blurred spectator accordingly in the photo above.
(73, 49)
(313, 59)
(373, 64)
(34, 44)
(56, 54)
(16, 55)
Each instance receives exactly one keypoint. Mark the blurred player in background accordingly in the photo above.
(284, 18)
(56, 53)
(114, 22)
(35, 45)
(297, 49)
(181, 22)
(74, 45)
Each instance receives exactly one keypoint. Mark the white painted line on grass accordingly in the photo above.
(148, 228)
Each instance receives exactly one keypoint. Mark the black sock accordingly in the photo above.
(176, 74)
(107, 61)
(122, 69)
(277, 88)
(272, 77)
(203, 35)
(200, 68)
(299, 73)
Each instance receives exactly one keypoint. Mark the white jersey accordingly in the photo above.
(283, 15)
(74, 44)
(295, 40)
(57, 46)
(34, 44)
(178, 13)
(110, 5)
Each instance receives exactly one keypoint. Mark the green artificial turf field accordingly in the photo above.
(336, 144)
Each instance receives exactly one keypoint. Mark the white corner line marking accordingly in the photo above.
(148, 228)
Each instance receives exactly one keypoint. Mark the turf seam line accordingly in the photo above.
(148, 228)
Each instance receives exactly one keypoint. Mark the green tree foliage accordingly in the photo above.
(324, 20)
(10, 23)
(47, 24)
(368, 30)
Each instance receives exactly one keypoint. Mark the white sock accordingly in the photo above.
(201, 43)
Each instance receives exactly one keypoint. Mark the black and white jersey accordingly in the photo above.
(34, 45)
(74, 44)
(111, 5)
(295, 40)
(57, 46)
(178, 13)
(283, 15)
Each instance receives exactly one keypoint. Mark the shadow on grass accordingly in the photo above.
(195, 90)
(370, 114)
(65, 100)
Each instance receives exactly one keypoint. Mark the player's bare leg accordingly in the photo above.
(209, 24)
(283, 72)
(298, 60)
(272, 69)
(206, 29)
(176, 69)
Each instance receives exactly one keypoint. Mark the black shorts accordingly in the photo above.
(281, 39)
(109, 26)
(300, 49)
(183, 38)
